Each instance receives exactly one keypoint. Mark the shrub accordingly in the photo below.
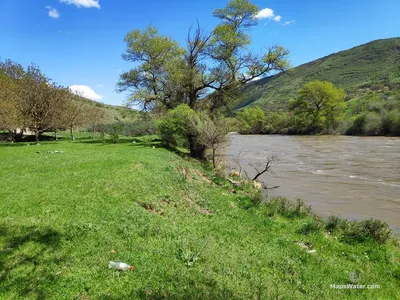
(309, 227)
(358, 125)
(280, 205)
(257, 198)
(373, 124)
(174, 128)
(115, 133)
(302, 209)
(185, 127)
(287, 208)
(392, 122)
(137, 128)
(332, 223)
(359, 232)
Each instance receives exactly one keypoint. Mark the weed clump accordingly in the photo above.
(332, 223)
(361, 231)
(310, 227)
(286, 208)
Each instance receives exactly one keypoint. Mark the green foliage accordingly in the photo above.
(215, 65)
(183, 127)
(359, 232)
(116, 131)
(157, 58)
(332, 223)
(279, 122)
(188, 257)
(176, 126)
(375, 113)
(310, 227)
(135, 128)
(319, 106)
(238, 13)
(252, 120)
(287, 208)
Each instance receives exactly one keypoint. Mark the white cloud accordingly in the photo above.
(53, 13)
(265, 13)
(100, 85)
(289, 22)
(85, 91)
(277, 18)
(268, 13)
(83, 3)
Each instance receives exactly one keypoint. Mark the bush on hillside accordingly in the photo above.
(359, 232)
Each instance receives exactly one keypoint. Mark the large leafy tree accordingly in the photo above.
(153, 80)
(208, 73)
(215, 65)
(319, 105)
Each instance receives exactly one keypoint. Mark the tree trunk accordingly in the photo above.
(196, 150)
(37, 134)
(72, 133)
(55, 134)
(213, 157)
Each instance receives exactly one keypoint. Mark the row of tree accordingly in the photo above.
(320, 107)
(206, 74)
(29, 99)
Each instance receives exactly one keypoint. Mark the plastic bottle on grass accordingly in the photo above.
(119, 266)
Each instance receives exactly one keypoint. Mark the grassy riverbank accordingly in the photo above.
(184, 230)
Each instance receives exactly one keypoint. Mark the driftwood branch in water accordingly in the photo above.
(265, 187)
(266, 169)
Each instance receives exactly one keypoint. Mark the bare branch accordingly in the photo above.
(266, 168)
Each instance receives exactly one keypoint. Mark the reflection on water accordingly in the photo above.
(353, 177)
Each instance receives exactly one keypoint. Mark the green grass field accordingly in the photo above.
(188, 237)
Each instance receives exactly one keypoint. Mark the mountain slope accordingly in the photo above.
(371, 63)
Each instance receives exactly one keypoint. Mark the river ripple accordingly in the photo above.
(352, 177)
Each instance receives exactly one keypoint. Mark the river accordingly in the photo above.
(351, 177)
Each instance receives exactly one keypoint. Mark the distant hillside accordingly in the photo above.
(114, 113)
(361, 66)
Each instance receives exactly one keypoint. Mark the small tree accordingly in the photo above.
(213, 134)
(183, 126)
(94, 116)
(319, 105)
(75, 113)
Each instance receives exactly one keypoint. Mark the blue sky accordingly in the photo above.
(80, 42)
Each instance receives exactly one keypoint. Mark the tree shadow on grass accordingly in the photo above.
(201, 287)
(28, 260)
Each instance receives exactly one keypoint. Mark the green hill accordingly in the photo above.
(354, 69)
(113, 113)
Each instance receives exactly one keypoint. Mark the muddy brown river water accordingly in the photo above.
(352, 177)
